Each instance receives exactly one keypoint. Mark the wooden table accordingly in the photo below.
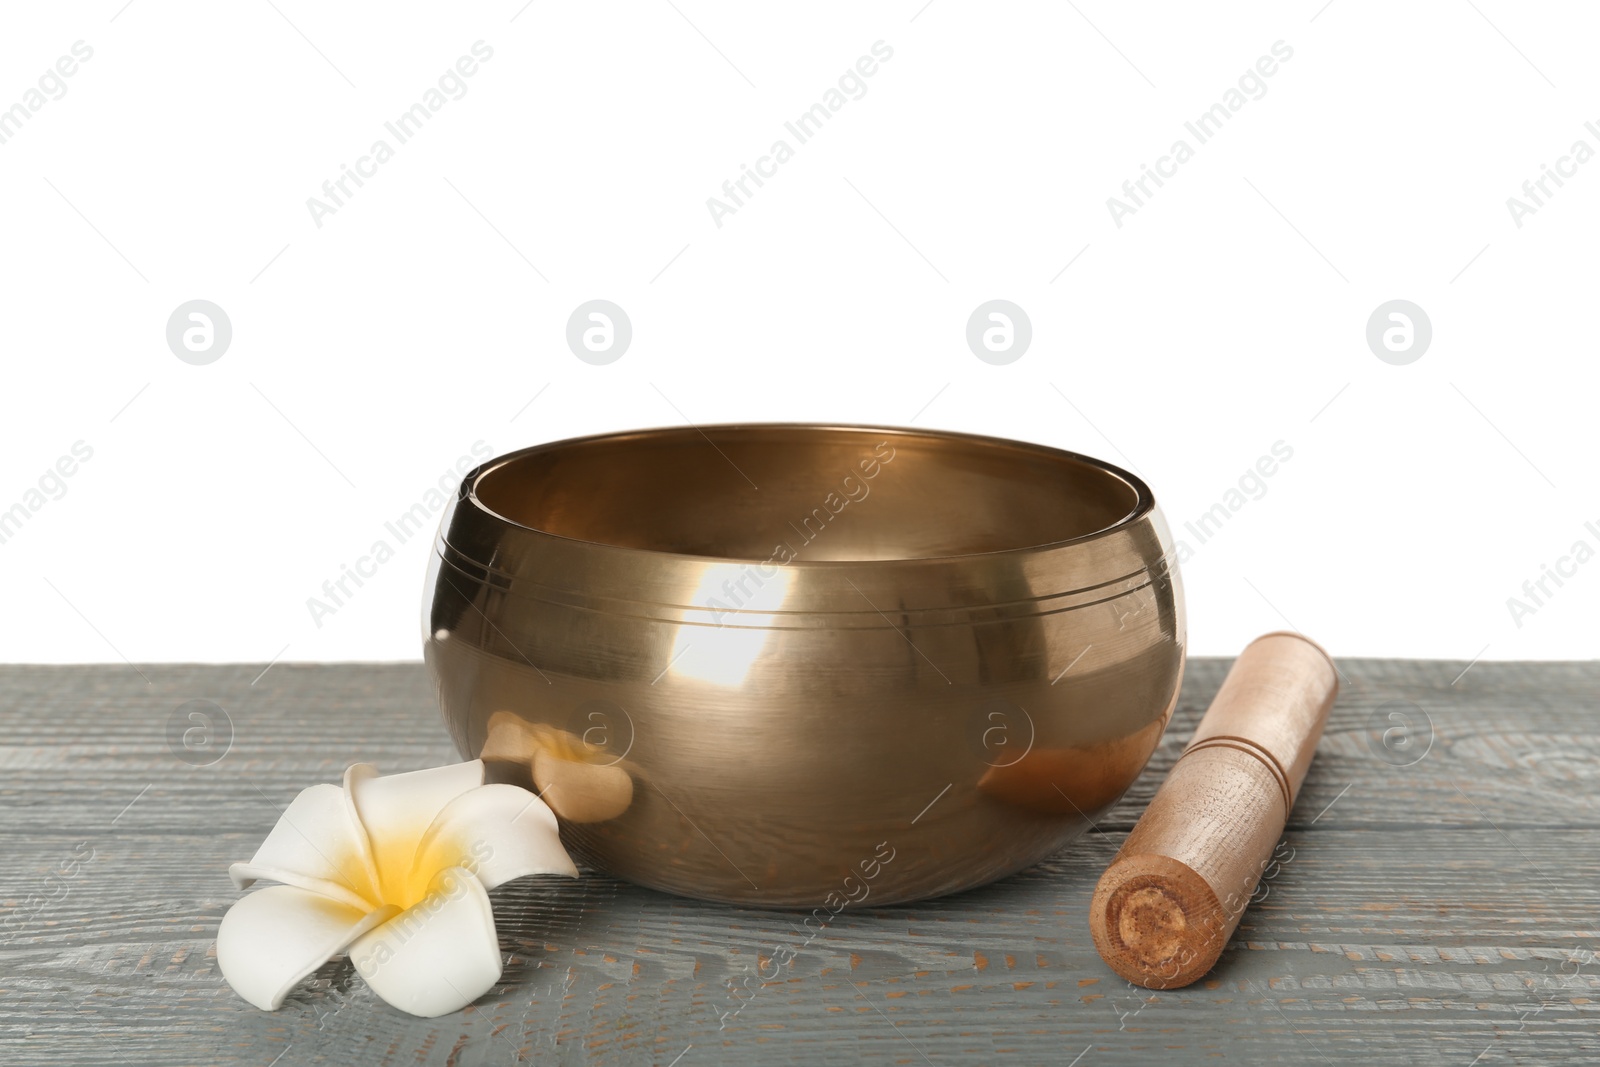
(1441, 912)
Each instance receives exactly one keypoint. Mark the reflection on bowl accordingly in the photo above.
(739, 661)
(1073, 779)
(581, 782)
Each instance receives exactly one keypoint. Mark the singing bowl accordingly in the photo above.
(807, 665)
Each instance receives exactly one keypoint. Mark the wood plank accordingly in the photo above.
(1433, 913)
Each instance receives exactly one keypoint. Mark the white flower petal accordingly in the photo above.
(317, 846)
(271, 939)
(244, 875)
(396, 809)
(437, 956)
(499, 832)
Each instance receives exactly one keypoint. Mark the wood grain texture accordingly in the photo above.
(1421, 914)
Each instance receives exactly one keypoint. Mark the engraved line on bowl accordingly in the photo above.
(902, 633)
(517, 585)
(962, 622)
(599, 606)
(470, 603)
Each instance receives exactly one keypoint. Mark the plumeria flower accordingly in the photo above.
(395, 870)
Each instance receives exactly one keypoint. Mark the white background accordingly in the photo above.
(371, 353)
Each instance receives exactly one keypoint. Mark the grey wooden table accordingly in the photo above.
(1434, 910)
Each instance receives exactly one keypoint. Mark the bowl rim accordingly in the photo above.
(1143, 506)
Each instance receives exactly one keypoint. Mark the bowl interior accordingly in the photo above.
(736, 491)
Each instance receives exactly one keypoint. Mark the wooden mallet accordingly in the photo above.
(1165, 908)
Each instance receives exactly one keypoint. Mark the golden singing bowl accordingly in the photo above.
(807, 665)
